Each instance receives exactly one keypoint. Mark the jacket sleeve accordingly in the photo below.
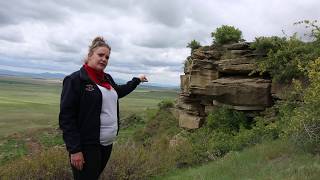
(68, 116)
(127, 88)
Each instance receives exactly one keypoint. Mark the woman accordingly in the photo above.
(89, 112)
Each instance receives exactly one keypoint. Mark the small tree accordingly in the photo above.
(226, 34)
(193, 45)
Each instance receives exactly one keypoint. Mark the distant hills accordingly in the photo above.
(48, 75)
(45, 75)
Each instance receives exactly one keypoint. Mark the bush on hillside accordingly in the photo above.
(193, 45)
(162, 124)
(165, 104)
(286, 58)
(304, 124)
(228, 130)
(227, 120)
(262, 45)
(226, 34)
(131, 120)
(134, 161)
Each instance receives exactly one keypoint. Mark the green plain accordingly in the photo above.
(34, 103)
(29, 111)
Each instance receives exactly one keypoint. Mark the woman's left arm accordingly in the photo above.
(127, 88)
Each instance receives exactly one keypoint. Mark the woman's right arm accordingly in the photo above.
(69, 114)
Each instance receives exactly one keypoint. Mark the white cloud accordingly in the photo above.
(146, 36)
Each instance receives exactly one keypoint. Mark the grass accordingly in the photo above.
(30, 139)
(142, 99)
(270, 160)
(27, 104)
(33, 103)
(12, 148)
(29, 113)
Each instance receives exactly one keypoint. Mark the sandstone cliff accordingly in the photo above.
(216, 76)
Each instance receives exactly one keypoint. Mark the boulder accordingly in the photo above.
(184, 83)
(237, 46)
(236, 66)
(199, 64)
(218, 76)
(202, 78)
(209, 108)
(240, 52)
(235, 107)
(211, 54)
(233, 54)
(241, 91)
(189, 121)
(190, 105)
(198, 74)
(187, 65)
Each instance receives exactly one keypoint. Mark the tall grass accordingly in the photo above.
(50, 164)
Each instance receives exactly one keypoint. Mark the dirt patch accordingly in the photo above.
(33, 146)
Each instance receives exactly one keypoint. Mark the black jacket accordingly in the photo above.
(80, 108)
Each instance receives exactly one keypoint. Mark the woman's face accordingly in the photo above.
(99, 58)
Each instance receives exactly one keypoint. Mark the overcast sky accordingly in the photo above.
(147, 36)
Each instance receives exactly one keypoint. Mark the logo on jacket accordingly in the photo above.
(89, 87)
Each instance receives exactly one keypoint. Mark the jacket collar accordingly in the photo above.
(85, 77)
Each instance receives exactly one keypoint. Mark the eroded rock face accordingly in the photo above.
(242, 65)
(219, 76)
(241, 91)
(189, 121)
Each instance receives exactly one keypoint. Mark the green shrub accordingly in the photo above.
(131, 120)
(49, 164)
(260, 131)
(193, 45)
(304, 124)
(229, 130)
(164, 104)
(226, 34)
(163, 123)
(134, 161)
(227, 120)
(286, 58)
(263, 45)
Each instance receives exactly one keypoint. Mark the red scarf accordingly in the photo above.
(97, 76)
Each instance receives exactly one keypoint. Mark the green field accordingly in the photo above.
(29, 111)
(34, 103)
(27, 104)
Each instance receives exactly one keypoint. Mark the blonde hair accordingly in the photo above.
(96, 42)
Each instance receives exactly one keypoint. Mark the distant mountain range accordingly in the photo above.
(48, 75)
(45, 75)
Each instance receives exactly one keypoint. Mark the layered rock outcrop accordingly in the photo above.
(218, 76)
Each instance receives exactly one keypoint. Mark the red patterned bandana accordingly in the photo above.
(97, 76)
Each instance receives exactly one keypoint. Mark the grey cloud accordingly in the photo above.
(11, 35)
(17, 11)
(158, 63)
(67, 66)
(162, 37)
(64, 47)
(146, 36)
(167, 12)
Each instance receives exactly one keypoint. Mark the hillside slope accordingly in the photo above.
(272, 160)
